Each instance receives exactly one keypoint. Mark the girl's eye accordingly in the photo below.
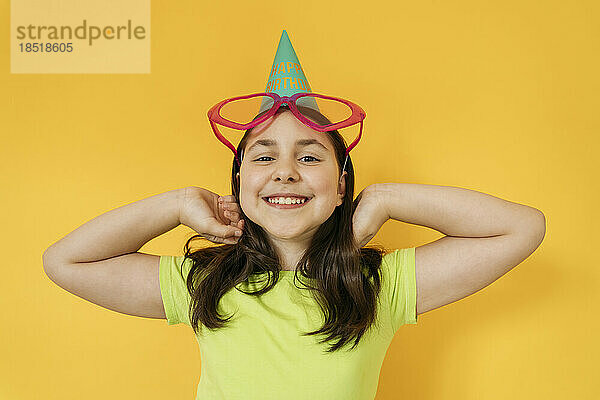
(260, 159)
(311, 157)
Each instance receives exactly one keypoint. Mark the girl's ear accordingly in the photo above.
(341, 188)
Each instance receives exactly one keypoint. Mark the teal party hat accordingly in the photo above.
(287, 77)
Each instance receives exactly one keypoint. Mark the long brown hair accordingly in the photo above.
(340, 270)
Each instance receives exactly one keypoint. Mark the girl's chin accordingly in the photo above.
(283, 232)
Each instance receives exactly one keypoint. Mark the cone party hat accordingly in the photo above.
(287, 77)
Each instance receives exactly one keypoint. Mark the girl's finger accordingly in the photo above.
(238, 224)
(224, 231)
(231, 240)
(230, 206)
(232, 216)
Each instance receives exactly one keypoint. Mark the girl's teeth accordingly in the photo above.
(286, 200)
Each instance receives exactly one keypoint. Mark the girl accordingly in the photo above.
(291, 304)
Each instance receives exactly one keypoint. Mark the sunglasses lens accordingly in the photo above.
(336, 111)
(243, 111)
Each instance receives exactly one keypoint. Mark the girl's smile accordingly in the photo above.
(286, 202)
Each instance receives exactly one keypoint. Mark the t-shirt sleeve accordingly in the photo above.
(173, 288)
(399, 270)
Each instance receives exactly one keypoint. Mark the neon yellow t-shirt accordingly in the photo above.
(260, 353)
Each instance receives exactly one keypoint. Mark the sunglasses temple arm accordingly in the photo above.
(355, 142)
(224, 141)
(352, 146)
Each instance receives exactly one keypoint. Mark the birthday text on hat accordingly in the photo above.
(287, 82)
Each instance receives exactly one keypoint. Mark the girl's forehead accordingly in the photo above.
(299, 141)
(292, 138)
(284, 129)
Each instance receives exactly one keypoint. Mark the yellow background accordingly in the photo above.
(497, 97)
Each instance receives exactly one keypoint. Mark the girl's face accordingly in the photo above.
(282, 155)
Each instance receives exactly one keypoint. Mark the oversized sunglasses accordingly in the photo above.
(218, 115)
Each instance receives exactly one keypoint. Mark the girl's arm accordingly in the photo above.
(99, 261)
(120, 231)
(457, 212)
(485, 237)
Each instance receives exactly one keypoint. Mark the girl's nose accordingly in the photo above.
(285, 171)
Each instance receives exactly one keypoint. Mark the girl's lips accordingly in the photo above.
(287, 205)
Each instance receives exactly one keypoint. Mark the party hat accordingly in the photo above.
(287, 76)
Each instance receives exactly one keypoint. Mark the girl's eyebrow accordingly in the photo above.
(299, 143)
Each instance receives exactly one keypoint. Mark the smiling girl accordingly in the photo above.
(294, 305)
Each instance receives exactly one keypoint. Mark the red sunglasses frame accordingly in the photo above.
(214, 117)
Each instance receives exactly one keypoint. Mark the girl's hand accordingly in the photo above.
(369, 215)
(217, 221)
